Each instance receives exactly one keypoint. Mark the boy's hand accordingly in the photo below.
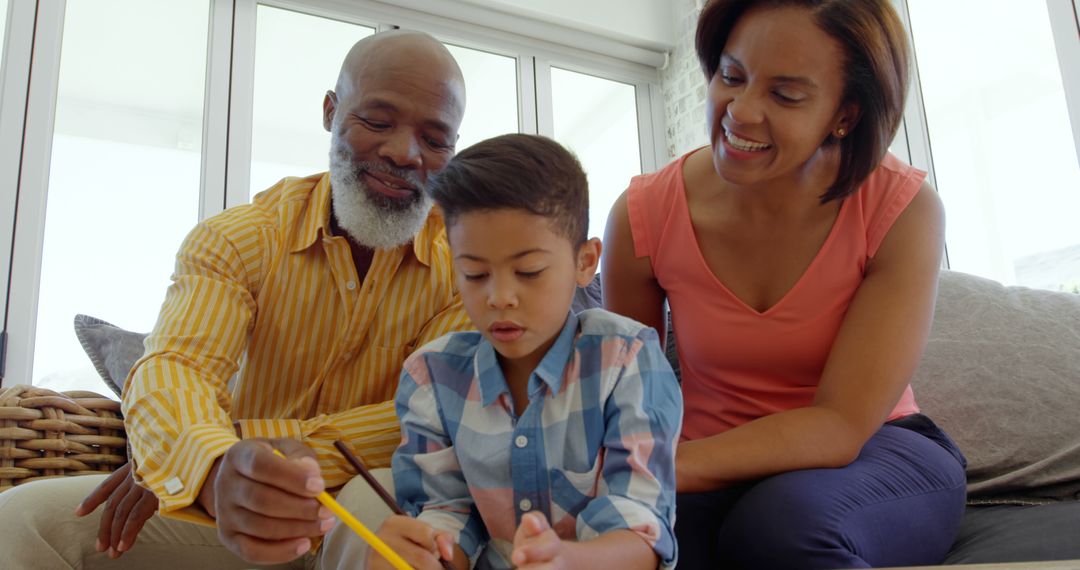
(415, 541)
(265, 505)
(537, 546)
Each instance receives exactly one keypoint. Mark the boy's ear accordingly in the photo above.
(588, 258)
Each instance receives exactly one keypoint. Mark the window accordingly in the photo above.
(1003, 151)
(291, 79)
(597, 119)
(124, 177)
(168, 111)
(491, 98)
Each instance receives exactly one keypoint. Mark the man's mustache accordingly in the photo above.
(410, 176)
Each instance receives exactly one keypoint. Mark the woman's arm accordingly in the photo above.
(630, 288)
(871, 363)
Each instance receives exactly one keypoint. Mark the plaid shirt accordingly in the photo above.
(594, 450)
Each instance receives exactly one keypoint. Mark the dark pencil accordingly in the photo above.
(355, 462)
(379, 489)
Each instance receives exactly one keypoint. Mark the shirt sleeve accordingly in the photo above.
(372, 430)
(175, 401)
(428, 479)
(642, 418)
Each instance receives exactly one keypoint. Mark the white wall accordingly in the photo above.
(683, 85)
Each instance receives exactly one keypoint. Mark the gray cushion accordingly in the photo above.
(112, 349)
(1001, 375)
(1010, 533)
(588, 297)
(591, 297)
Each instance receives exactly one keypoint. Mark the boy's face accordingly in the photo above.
(517, 278)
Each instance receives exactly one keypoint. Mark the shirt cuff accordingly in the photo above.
(182, 473)
(289, 429)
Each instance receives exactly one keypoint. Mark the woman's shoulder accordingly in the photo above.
(658, 188)
(885, 195)
(892, 172)
(669, 176)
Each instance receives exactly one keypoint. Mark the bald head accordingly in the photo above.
(400, 50)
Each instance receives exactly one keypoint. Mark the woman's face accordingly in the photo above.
(775, 97)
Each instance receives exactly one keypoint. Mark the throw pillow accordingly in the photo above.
(1001, 375)
(112, 349)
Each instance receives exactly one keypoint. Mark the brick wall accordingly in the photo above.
(683, 86)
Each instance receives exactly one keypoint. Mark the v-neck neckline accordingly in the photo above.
(683, 205)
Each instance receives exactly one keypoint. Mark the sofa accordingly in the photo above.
(1001, 375)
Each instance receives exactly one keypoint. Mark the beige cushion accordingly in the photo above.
(1001, 375)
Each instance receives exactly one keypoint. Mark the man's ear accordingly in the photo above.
(329, 105)
(588, 258)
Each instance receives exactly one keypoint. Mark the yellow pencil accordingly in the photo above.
(368, 536)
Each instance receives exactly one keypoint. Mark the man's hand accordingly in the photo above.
(128, 508)
(415, 541)
(264, 504)
(537, 546)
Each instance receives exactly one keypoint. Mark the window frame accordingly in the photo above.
(18, 40)
(33, 181)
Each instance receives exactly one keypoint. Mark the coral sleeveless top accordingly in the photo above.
(739, 364)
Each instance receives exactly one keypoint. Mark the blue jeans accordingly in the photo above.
(898, 504)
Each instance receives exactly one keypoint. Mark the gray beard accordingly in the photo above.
(369, 218)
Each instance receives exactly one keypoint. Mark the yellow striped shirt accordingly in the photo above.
(266, 289)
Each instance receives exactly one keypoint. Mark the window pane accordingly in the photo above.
(999, 128)
(491, 104)
(124, 178)
(597, 119)
(291, 79)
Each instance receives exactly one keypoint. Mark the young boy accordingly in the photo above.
(545, 439)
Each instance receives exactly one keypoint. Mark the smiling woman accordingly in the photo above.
(799, 261)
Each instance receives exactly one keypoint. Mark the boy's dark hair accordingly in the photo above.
(517, 172)
(876, 55)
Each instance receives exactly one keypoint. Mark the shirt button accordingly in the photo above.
(350, 285)
(521, 441)
(525, 505)
(174, 486)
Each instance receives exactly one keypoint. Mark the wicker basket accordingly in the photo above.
(45, 434)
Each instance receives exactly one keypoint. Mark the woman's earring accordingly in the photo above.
(841, 131)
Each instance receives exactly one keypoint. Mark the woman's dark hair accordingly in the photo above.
(517, 172)
(876, 53)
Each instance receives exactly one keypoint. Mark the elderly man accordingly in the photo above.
(315, 292)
